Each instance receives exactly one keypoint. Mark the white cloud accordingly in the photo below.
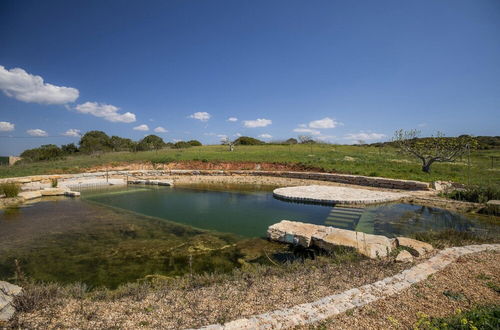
(37, 132)
(422, 125)
(307, 131)
(261, 122)
(265, 136)
(232, 119)
(106, 111)
(364, 136)
(202, 116)
(237, 134)
(326, 137)
(222, 136)
(26, 87)
(160, 129)
(142, 127)
(72, 132)
(324, 123)
(5, 126)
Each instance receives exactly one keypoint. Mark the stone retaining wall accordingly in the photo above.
(42, 181)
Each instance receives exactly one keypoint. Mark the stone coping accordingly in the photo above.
(336, 195)
(330, 306)
(331, 177)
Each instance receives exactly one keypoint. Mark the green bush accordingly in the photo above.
(475, 193)
(195, 143)
(248, 141)
(486, 317)
(10, 189)
(45, 152)
(182, 145)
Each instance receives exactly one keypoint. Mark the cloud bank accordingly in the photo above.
(22, 86)
(5, 126)
(202, 116)
(72, 132)
(261, 122)
(160, 129)
(142, 127)
(364, 136)
(324, 123)
(37, 132)
(106, 111)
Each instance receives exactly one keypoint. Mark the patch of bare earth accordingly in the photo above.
(462, 285)
(185, 304)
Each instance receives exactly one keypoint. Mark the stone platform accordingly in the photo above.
(336, 195)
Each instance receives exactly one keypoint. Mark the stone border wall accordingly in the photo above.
(330, 306)
(331, 177)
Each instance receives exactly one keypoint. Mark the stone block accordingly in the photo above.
(30, 194)
(422, 248)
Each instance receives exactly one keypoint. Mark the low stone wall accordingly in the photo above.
(43, 181)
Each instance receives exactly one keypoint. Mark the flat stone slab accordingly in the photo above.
(327, 238)
(30, 194)
(336, 195)
(7, 293)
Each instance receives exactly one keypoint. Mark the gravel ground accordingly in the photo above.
(463, 285)
(193, 306)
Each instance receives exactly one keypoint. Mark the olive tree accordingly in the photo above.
(227, 142)
(433, 149)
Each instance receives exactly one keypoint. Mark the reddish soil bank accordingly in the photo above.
(199, 165)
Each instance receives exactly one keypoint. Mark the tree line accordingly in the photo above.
(95, 142)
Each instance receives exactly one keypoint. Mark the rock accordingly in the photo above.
(30, 194)
(422, 248)
(292, 232)
(53, 192)
(327, 238)
(7, 293)
(72, 193)
(404, 256)
(372, 246)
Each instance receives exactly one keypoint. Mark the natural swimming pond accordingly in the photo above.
(111, 236)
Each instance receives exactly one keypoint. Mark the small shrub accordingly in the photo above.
(53, 183)
(486, 317)
(475, 193)
(10, 189)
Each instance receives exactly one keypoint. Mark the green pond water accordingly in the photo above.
(115, 235)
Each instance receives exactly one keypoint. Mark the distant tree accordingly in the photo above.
(151, 142)
(226, 141)
(95, 141)
(122, 144)
(433, 149)
(291, 141)
(246, 140)
(182, 145)
(194, 143)
(45, 152)
(306, 139)
(69, 149)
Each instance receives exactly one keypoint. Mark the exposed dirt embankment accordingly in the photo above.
(207, 165)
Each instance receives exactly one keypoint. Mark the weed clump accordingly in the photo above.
(9, 189)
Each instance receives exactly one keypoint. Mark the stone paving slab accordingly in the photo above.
(336, 195)
(335, 304)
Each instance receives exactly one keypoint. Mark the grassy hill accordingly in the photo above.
(364, 160)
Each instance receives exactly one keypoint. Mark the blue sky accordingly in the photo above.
(340, 71)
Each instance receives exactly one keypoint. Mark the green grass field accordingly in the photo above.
(371, 161)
